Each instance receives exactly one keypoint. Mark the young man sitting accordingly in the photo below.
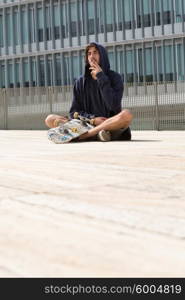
(97, 96)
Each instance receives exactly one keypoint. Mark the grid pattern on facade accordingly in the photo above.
(42, 42)
(154, 106)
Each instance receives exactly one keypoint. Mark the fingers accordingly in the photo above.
(96, 64)
(93, 63)
(95, 68)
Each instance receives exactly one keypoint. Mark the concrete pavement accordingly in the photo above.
(93, 209)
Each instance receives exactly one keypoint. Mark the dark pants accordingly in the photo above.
(121, 135)
(116, 135)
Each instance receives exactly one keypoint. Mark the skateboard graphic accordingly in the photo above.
(70, 130)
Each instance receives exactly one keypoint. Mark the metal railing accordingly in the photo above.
(156, 106)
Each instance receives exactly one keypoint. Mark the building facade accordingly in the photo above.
(42, 42)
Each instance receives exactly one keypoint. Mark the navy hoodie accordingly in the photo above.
(101, 97)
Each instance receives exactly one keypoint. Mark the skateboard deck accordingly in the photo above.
(68, 131)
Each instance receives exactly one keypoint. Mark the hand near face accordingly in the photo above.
(94, 68)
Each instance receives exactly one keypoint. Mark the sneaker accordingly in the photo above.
(104, 136)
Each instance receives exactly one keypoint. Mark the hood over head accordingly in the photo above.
(104, 60)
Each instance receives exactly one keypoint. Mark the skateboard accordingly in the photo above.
(69, 131)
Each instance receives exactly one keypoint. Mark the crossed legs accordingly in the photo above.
(121, 120)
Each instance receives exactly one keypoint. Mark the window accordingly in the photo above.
(100, 16)
(58, 69)
(40, 24)
(128, 14)
(82, 61)
(25, 73)
(73, 18)
(159, 64)
(109, 15)
(17, 73)
(143, 13)
(166, 11)
(16, 26)
(178, 11)
(120, 63)
(48, 23)
(148, 64)
(158, 12)
(42, 74)
(111, 59)
(24, 25)
(146, 13)
(138, 13)
(82, 19)
(168, 63)
(50, 71)
(2, 77)
(10, 74)
(56, 22)
(64, 19)
(8, 29)
(129, 66)
(33, 72)
(119, 14)
(32, 24)
(75, 67)
(91, 13)
(1, 31)
(180, 67)
(140, 64)
(66, 70)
